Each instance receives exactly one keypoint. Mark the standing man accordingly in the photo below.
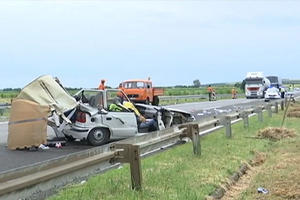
(282, 92)
(233, 92)
(210, 91)
(102, 86)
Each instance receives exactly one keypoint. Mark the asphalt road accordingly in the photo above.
(15, 159)
(203, 110)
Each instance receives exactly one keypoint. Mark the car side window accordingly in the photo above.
(96, 101)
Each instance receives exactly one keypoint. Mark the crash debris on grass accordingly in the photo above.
(272, 133)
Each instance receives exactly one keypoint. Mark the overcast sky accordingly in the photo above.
(173, 42)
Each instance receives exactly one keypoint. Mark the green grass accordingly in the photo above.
(4, 114)
(177, 173)
(6, 96)
(226, 89)
(189, 100)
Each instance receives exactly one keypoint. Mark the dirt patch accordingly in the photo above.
(294, 114)
(276, 133)
(240, 180)
(259, 159)
(286, 174)
(242, 184)
(294, 110)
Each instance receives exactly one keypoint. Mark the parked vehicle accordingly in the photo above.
(95, 122)
(256, 85)
(272, 93)
(141, 91)
(275, 81)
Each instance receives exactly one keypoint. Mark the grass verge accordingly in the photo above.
(177, 173)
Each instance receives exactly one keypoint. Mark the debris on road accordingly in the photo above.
(58, 145)
(44, 147)
(276, 133)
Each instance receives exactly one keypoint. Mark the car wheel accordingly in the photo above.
(98, 136)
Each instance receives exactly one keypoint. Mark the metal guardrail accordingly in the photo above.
(130, 151)
(200, 96)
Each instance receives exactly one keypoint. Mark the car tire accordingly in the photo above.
(98, 136)
(155, 101)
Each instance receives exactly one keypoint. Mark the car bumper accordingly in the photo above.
(77, 132)
(272, 97)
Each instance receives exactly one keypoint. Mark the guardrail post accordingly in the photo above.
(228, 126)
(245, 119)
(282, 105)
(269, 107)
(276, 107)
(192, 132)
(135, 167)
(196, 139)
(130, 153)
(260, 114)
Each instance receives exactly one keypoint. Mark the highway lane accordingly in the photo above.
(207, 105)
(14, 159)
(203, 110)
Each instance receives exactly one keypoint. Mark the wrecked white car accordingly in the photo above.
(98, 120)
(98, 115)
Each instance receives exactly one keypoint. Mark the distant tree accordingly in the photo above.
(238, 84)
(242, 86)
(196, 83)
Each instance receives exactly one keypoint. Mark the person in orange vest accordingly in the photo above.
(210, 91)
(102, 86)
(233, 92)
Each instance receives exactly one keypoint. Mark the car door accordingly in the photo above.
(121, 124)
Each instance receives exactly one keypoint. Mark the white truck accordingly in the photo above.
(256, 85)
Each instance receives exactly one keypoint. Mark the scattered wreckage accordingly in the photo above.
(89, 115)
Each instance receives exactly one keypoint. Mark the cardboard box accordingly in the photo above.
(27, 125)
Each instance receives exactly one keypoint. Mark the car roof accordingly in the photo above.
(137, 80)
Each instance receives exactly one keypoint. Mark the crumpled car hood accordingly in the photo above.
(46, 91)
(149, 108)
